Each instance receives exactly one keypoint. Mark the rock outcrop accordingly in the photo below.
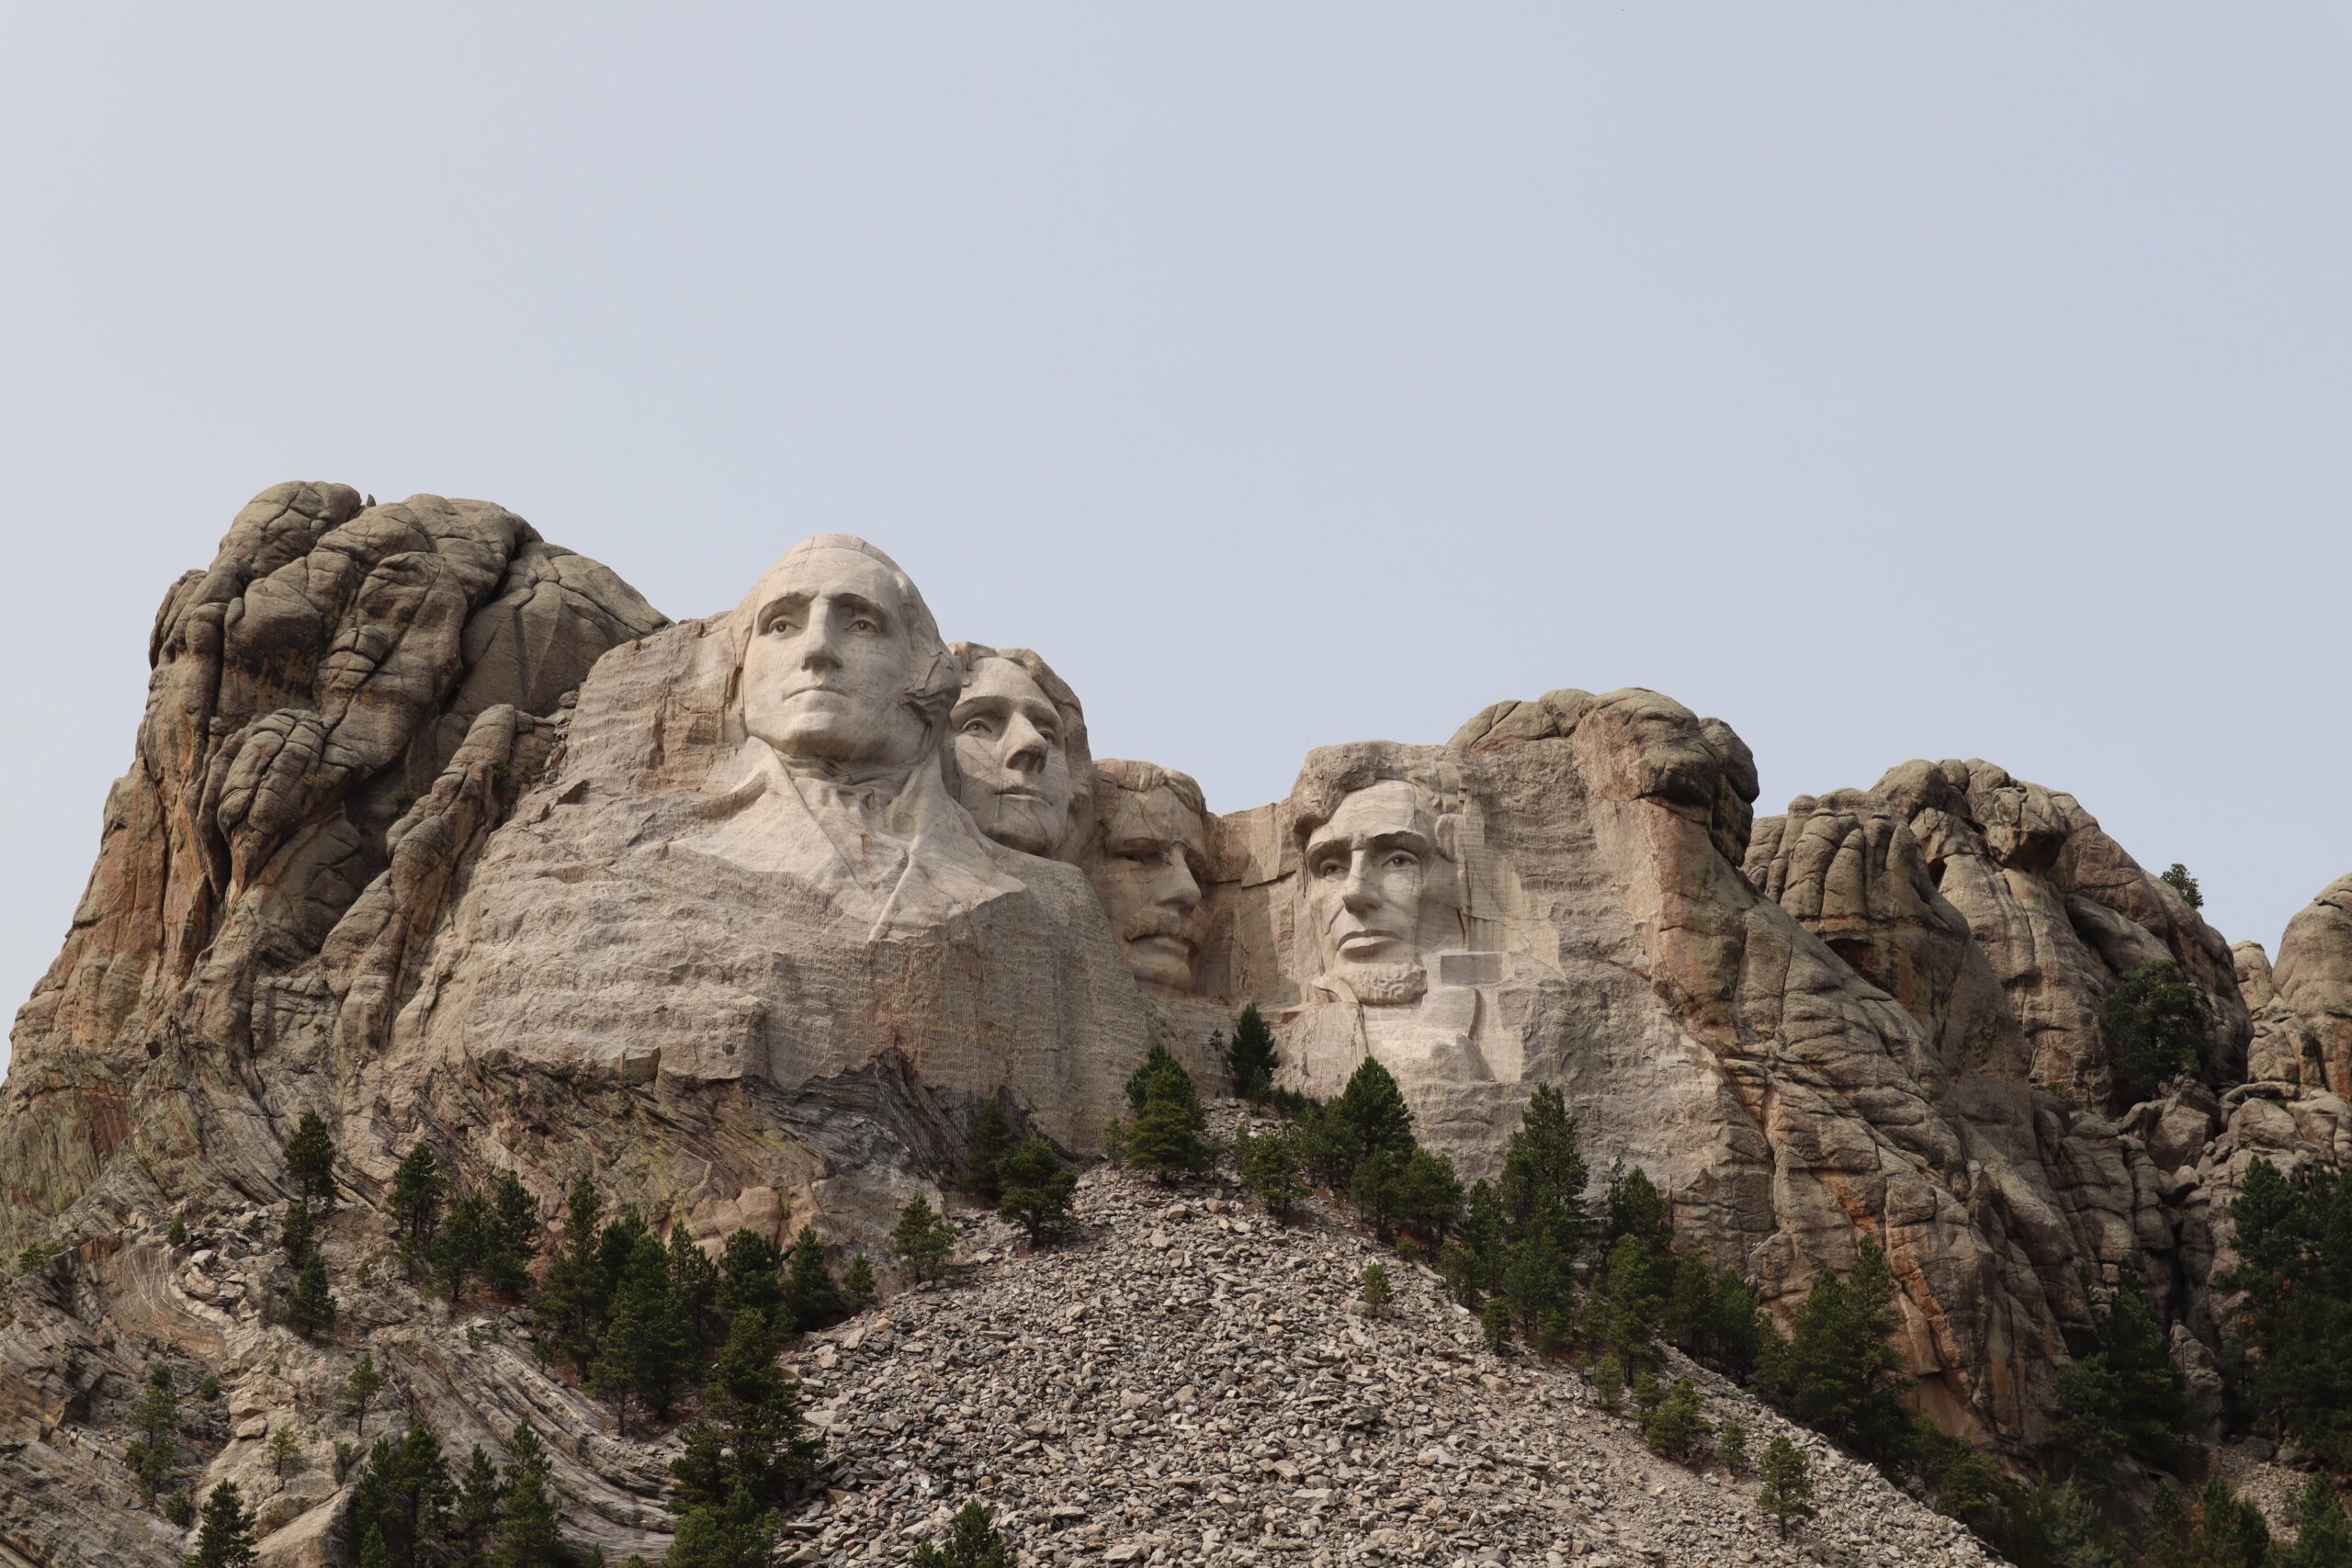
(442, 832)
(312, 689)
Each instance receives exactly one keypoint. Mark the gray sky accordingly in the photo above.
(1889, 380)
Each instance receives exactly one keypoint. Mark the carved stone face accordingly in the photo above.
(1009, 750)
(1151, 851)
(830, 661)
(1365, 870)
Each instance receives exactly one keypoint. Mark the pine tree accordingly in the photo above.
(810, 1294)
(1038, 1189)
(694, 1278)
(750, 1276)
(1376, 1290)
(751, 1437)
(1250, 1054)
(310, 1159)
(2230, 1533)
(413, 1206)
(1609, 1380)
(481, 1500)
(1787, 1495)
(737, 1533)
(2124, 1398)
(1676, 1430)
(992, 1144)
(360, 1389)
(1377, 1188)
(226, 1537)
(2322, 1535)
(1156, 1062)
(513, 1236)
(924, 1238)
(1840, 1373)
(858, 1289)
(526, 1536)
(298, 1235)
(1538, 1284)
(649, 1343)
(972, 1542)
(1373, 1109)
(1495, 1324)
(1166, 1140)
(1544, 1176)
(2182, 883)
(1731, 1447)
(373, 1552)
(310, 1308)
(462, 1243)
(157, 1421)
(283, 1450)
(403, 1493)
(1628, 1307)
(1270, 1170)
(2155, 1020)
(2294, 1239)
(1429, 1195)
(568, 1309)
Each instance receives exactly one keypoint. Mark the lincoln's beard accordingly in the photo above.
(1386, 985)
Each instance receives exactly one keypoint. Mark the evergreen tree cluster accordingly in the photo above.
(1167, 1139)
(409, 1511)
(2122, 1400)
(2294, 1238)
(638, 1319)
(1029, 1182)
(472, 1236)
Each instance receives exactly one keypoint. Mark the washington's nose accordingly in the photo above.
(817, 643)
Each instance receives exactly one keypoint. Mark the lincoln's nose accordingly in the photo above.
(1357, 894)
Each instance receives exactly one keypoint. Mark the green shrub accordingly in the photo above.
(1039, 1188)
(2155, 1021)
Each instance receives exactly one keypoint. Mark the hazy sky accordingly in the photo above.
(1891, 382)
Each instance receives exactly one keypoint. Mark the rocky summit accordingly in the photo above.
(439, 838)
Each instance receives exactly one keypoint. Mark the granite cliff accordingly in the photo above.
(441, 832)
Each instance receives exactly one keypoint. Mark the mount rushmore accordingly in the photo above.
(441, 832)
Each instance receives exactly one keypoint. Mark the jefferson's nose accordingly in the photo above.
(1025, 749)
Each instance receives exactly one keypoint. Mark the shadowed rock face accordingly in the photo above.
(441, 832)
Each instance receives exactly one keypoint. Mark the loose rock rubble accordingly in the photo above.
(1190, 1382)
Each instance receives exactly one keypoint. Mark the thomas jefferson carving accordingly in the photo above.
(1019, 757)
(1147, 858)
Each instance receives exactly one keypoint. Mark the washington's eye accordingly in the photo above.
(1331, 869)
(975, 726)
(865, 623)
(1400, 860)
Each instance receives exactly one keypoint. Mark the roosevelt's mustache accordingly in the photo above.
(1156, 922)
